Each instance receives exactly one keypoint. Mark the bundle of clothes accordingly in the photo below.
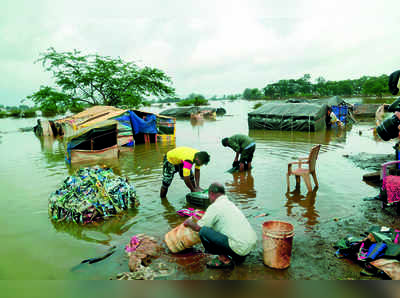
(141, 251)
(377, 251)
(197, 214)
(91, 194)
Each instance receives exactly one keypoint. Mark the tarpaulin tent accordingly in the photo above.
(185, 112)
(108, 128)
(298, 114)
(130, 123)
(331, 101)
(92, 143)
(288, 116)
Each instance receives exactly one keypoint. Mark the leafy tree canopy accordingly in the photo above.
(97, 80)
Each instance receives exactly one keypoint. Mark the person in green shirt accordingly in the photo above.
(244, 146)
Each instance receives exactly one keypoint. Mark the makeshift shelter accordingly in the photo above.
(288, 116)
(299, 114)
(99, 131)
(185, 112)
(331, 101)
(133, 126)
(99, 141)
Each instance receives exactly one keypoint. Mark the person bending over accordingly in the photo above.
(244, 146)
(181, 159)
(224, 230)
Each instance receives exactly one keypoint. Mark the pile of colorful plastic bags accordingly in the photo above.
(92, 194)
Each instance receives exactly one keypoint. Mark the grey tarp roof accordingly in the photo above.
(185, 111)
(291, 110)
(332, 101)
(288, 116)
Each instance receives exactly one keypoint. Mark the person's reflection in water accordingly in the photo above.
(242, 184)
(306, 202)
(196, 122)
(170, 214)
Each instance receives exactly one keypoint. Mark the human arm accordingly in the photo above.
(187, 168)
(191, 224)
(197, 179)
(236, 157)
(189, 184)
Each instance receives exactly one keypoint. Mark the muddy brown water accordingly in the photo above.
(36, 248)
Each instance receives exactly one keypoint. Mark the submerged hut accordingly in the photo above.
(186, 112)
(100, 131)
(288, 116)
(297, 114)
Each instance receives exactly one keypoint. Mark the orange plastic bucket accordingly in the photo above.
(277, 243)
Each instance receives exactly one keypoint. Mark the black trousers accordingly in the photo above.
(217, 244)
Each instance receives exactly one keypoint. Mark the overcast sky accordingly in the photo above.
(209, 47)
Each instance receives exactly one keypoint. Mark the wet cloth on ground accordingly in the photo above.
(392, 186)
(378, 243)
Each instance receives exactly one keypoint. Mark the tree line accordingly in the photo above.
(83, 80)
(303, 87)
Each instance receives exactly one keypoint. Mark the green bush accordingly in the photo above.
(257, 105)
(49, 112)
(76, 109)
(192, 102)
(14, 112)
(146, 103)
(3, 114)
(29, 113)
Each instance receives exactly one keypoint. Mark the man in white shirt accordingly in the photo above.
(224, 230)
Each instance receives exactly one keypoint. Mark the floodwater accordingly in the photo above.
(33, 247)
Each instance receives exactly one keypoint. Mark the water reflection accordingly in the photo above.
(46, 143)
(307, 204)
(196, 122)
(300, 142)
(335, 135)
(99, 232)
(53, 151)
(242, 185)
(169, 213)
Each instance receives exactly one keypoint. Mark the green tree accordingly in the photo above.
(192, 96)
(97, 80)
(375, 86)
(254, 93)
